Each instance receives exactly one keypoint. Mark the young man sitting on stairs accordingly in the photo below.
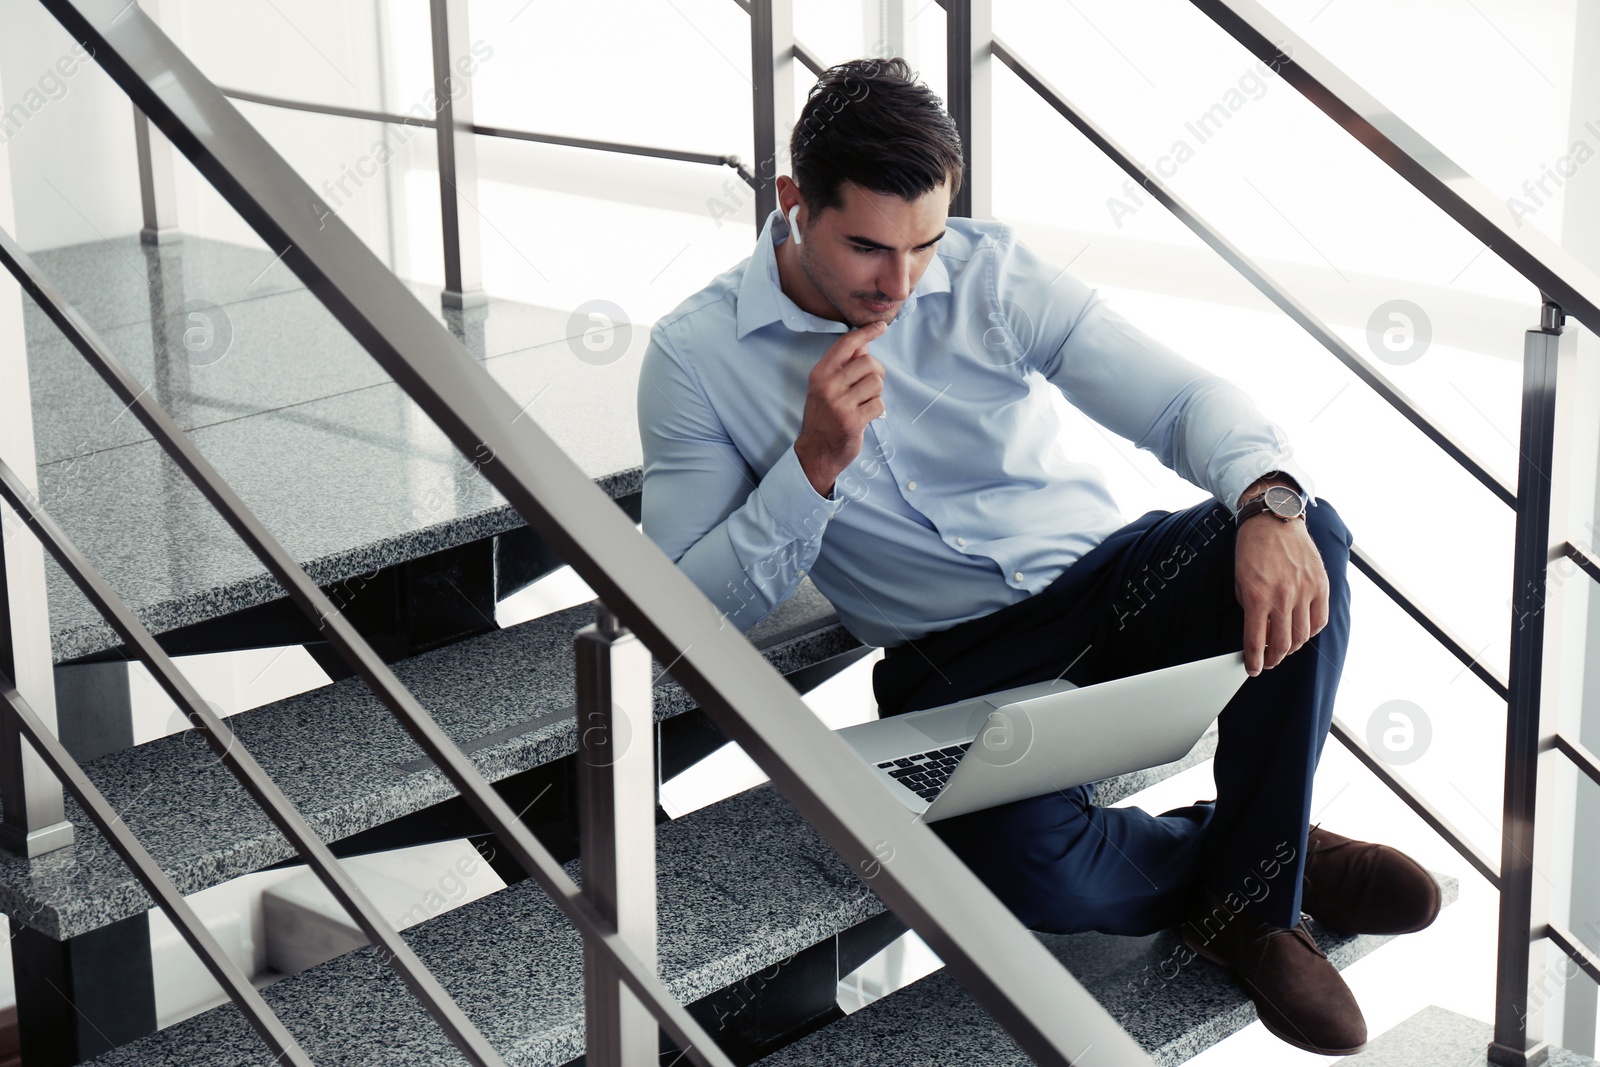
(864, 401)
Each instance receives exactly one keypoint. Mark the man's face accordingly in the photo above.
(866, 255)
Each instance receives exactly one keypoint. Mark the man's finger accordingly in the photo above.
(1302, 623)
(1280, 634)
(864, 391)
(1255, 637)
(860, 367)
(852, 342)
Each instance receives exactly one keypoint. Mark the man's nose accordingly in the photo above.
(895, 282)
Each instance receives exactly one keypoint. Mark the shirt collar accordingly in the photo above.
(762, 300)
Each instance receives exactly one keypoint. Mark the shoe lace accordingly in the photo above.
(1302, 930)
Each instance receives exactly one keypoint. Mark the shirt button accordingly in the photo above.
(961, 542)
(1017, 576)
(911, 484)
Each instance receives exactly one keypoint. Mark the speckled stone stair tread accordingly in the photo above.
(1438, 1037)
(742, 886)
(314, 435)
(1174, 1005)
(340, 755)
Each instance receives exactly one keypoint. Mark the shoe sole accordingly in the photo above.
(1287, 1038)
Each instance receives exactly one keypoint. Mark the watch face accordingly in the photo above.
(1283, 501)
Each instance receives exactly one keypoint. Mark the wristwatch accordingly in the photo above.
(1280, 501)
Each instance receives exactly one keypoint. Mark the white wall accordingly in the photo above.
(72, 161)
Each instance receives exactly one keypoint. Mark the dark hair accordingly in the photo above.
(871, 122)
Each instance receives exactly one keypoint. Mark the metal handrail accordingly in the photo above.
(1378, 382)
(1239, 261)
(1441, 633)
(1586, 562)
(1575, 949)
(1566, 287)
(397, 118)
(488, 804)
(809, 61)
(257, 782)
(1007, 971)
(1557, 273)
(1580, 755)
(472, 413)
(1424, 808)
(144, 867)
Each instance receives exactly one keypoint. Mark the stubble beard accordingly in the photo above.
(810, 270)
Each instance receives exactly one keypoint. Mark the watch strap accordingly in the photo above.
(1257, 505)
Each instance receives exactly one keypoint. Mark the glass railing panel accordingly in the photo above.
(1426, 717)
(679, 76)
(837, 30)
(68, 135)
(1494, 84)
(380, 178)
(562, 227)
(1345, 236)
(336, 54)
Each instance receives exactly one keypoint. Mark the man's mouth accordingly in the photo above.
(873, 305)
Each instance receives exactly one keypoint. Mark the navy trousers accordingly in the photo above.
(1157, 592)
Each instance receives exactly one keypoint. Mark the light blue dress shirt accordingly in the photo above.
(962, 499)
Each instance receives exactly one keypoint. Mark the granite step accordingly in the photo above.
(505, 696)
(1438, 1037)
(315, 436)
(743, 886)
(1174, 1004)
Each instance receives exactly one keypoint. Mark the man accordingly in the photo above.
(863, 401)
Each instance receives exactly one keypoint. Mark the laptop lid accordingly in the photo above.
(1033, 747)
(1033, 740)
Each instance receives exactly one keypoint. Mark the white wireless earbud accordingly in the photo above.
(794, 227)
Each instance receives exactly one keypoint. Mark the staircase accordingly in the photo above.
(746, 885)
(760, 918)
(403, 534)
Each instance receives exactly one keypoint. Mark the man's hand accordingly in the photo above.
(1282, 586)
(844, 393)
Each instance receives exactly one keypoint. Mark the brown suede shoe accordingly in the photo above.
(1298, 994)
(1363, 888)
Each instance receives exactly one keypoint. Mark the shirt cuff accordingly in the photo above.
(793, 501)
(1243, 473)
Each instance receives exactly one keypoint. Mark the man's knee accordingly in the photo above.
(1331, 536)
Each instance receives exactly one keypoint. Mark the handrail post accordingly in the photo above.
(34, 807)
(158, 194)
(1565, 790)
(158, 189)
(771, 96)
(1526, 864)
(453, 64)
(969, 35)
(617, 830)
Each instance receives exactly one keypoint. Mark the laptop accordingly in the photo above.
(1037, 739)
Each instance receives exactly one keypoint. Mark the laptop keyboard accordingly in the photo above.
(926, 772)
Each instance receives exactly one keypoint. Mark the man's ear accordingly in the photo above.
(788, 194)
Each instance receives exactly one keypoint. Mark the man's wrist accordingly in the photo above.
(1281, 499)
(824, 491)
(1265, 482)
